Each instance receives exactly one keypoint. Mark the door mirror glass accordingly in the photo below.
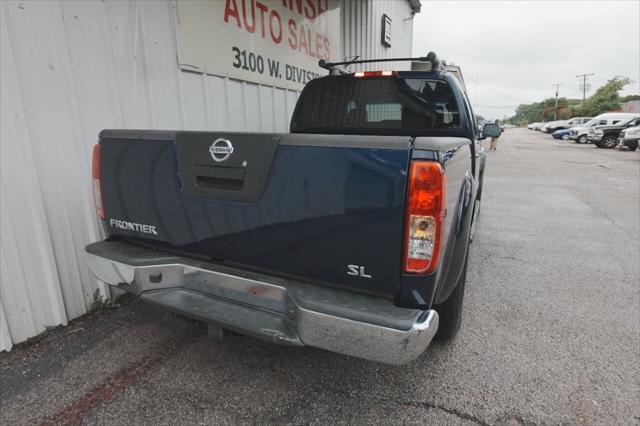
(491, 130)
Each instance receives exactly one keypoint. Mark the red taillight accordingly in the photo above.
(426, 209)
(361, 74)
(97, 183)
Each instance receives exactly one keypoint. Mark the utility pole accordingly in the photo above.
(584, 85)
(555, 113)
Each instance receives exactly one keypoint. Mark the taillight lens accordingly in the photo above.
(426, 209)
(97, 183)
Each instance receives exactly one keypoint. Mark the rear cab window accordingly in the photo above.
(379, 105)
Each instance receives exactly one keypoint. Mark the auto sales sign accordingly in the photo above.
(271, 42)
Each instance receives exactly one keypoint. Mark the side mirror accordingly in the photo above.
(491, 131)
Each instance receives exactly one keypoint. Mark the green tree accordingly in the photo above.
(630, 98)
(544, 111)
(606, 98)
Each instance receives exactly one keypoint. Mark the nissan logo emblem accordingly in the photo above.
(221, 149)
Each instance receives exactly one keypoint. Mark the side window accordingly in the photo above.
(615, 121)
(602, 122)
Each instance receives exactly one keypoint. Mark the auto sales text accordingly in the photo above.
(254, 16)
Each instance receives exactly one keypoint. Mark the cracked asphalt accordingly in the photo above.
(550, 330)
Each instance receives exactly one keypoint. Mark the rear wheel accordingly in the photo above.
(565, 137)
(582, 139)
(609, 141)
(450, 311)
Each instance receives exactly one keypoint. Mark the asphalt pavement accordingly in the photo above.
(550, 329)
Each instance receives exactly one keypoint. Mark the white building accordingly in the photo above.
(72, 68)
(631, 106)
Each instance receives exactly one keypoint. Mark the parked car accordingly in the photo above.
(607, 136)
(578, 121)
(566, 124)
(629, 137)
(350, 233)
(561, 134)
(580, 133)
(538, 126)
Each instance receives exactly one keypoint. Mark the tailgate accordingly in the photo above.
(295, 205)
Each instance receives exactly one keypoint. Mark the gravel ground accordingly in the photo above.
(550, 331)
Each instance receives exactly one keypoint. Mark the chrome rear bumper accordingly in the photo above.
(265, 307)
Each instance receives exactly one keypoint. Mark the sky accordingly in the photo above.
(513, 52)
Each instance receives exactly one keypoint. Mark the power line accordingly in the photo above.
(496, 92)
(584, 84)
(573, 93)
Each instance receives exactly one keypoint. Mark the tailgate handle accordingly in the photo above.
(228, 178)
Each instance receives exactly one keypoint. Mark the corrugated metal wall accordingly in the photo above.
(72, 68)
(362, 32)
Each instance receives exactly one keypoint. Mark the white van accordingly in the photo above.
(579, 133)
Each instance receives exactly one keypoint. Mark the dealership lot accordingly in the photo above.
(550, 333)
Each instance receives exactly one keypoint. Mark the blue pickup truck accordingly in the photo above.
(350, 233)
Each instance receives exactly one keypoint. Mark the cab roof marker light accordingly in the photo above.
(388, 73)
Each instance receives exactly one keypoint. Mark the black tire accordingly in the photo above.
(582, 139)
(450, 311)
(608, 142)
(598, 144)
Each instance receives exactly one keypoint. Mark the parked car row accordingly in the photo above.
(604, 131)
(629, 137)
(553, 126)
(607, 136)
